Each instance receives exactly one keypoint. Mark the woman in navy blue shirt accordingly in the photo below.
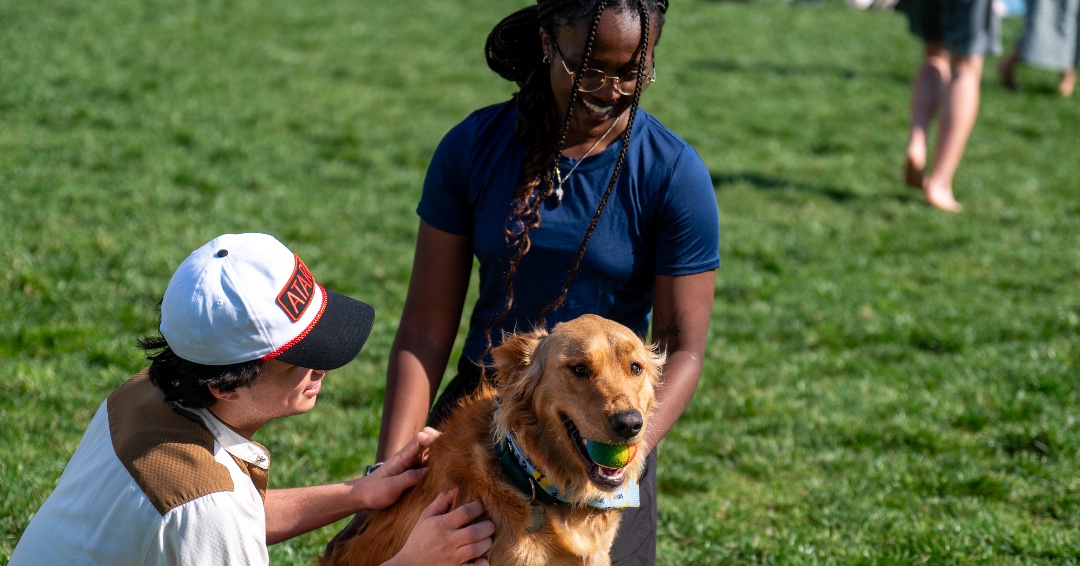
(574, 201)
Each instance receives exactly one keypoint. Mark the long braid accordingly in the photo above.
(528, 204)
(618, 166)
(513, 52)
(590, 39)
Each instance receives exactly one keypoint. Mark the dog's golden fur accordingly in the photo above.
(587, 371)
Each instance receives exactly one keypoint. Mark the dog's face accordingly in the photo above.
(578, 401)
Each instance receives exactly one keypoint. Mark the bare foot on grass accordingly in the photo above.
(1067, 83)
(915, 164)
(942, 198)
(913, 174)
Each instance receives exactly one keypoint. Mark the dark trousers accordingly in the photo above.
(635, 543)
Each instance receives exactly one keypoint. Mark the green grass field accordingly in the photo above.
(885, 383)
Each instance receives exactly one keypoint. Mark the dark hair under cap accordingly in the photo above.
(188, 383)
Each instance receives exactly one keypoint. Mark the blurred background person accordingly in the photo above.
(1050, 40)
(956, 37)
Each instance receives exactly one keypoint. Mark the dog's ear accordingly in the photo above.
(657, 357)
(515, 354)
(516, 377)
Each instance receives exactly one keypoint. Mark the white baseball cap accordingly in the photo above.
(244, 297)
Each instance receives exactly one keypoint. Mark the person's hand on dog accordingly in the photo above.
(384, 486)
(444, 537)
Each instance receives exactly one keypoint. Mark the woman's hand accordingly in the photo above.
(444, 537)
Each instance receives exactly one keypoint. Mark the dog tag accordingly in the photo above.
(536, 517)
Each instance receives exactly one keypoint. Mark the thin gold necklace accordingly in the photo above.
(558, 173)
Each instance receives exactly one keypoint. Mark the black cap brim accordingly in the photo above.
(336, 338)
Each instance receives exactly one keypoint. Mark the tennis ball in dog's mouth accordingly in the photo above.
(611, 455)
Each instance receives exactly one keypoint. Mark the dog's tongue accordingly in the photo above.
(611, 455)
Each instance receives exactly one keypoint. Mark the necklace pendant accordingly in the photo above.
(558, 172)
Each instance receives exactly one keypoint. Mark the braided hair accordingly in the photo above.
(514, 52)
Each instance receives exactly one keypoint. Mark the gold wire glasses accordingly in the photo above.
(593, 80)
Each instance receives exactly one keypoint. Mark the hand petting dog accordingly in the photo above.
(384, 486)
(441, 537)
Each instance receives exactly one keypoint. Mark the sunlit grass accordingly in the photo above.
(884, 383)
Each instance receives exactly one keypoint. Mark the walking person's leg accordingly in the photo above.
(927, 92)
(1007, 69)
(958, 114)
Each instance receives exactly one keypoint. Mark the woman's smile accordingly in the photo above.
(596, 112)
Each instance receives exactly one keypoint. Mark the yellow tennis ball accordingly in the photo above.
(611, 455)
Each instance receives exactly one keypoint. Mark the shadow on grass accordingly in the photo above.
(760, 181)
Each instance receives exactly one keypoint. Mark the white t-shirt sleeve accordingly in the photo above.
(212, 530)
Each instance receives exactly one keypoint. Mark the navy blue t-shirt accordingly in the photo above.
(661, 218)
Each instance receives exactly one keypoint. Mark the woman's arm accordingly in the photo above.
(442, 265)
(682, 307)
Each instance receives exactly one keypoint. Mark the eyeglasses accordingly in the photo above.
(593, 80)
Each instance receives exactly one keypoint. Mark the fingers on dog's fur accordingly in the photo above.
(477, 539)
(466, 514)
(443, 503)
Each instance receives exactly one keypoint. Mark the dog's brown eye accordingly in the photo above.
(635, 368)
(580, 370)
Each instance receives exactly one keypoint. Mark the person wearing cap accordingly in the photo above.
(167, 471)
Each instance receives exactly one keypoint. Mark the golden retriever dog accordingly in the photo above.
(571, 407)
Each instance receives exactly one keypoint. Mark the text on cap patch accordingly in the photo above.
(296, 296)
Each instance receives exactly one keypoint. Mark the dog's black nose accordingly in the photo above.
(626, 424)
